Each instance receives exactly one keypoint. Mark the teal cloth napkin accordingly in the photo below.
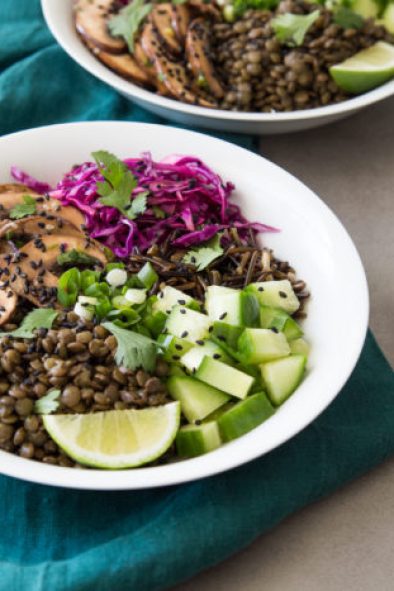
(150, 540)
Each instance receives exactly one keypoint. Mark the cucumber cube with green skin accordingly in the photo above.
(176, 370)
(226, 335)
(197, 400)
(173, 347)
(237, 308)
(214, 293)
(244, 416)
(170, 297)
(388, 17)
(277, 294)
(188, 324)
(192, 359)
(195, 440)
(279, 319)
(299, 347)
(225, 378)
(262, 344)
(283, 376)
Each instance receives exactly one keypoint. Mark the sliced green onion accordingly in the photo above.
(147, 276)
(68, 287)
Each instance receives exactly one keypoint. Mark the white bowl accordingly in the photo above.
(312, 238)
(58, 14)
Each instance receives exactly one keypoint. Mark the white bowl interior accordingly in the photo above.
(58, 14)
(311, 237)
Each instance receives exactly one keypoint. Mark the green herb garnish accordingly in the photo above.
(68, 287)
(204, 255)
(291, 29)
(40, 318)
(48, 403)
(134, 350)
(128, 21)
(118, 185)
(75, 257)
(22, 210)
(347, 19)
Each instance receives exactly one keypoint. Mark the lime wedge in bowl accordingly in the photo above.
(366, 69)
(116, 439)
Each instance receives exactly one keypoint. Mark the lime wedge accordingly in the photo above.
(117, 438)
(366, 69)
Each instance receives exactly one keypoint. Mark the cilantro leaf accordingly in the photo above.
(205, 255)
(21, 210)
(128, 20)
(347, 19)
(75, 257)
(119, 181)
(48, 403)
(291, 29)
(39, 318)
(138, 205)
(134, 350)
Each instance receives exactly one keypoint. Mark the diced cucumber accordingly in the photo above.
(197, 400)
(388, 17)
(278, 294)
(261, 344)
(155, 323)
(279, 319)
(282, 377)
(170, 297)
(188, 324)
(237, 308)
(147, 276)
(365, 8)
(192, 359)
(244, 416)
(173, 347)
(226, 335)
(215, 292)
(226, 378)
(194, 440)
(176, 370)
(299, 347)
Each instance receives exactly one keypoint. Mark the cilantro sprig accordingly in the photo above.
(48, 403)
(134, 350)
(203, 256)
(118, 185)
(128, 21)
(29, 207)
(40, 318)
(291, 29)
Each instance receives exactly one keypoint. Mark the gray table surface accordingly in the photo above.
(346, 541)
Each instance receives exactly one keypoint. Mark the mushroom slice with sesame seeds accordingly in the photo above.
(30, 269)
(15, 188)
(38, 225)
(8, 303)
(125, 65)
(46, 206)
(205, 8)
(180, 21)
(161, 18)
(197, 52)
(145, 64)
(171, 73)
(91, 23)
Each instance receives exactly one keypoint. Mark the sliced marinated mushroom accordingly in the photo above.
(205, 8)
(197, 52)
(171, 73)
(29, 272)
(123, 64)
(91, 23)
(38, 225)
(8, 302)
(180, 21)
(145, 64)
(161, 18)
(50, 207)
(15, 188)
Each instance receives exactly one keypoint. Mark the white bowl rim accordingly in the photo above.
(193, 469)
(81, 55)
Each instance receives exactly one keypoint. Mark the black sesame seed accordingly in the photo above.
(184, 334)
(223, 316)
(182, 302)
(10, 294)
(178, 347)
(274, 329)
(283, 294)
(176, 357)
(221, 338)
(182, 311)
(217, 356)
(199, 342)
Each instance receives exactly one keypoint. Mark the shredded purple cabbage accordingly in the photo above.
(24, 178)
(188, 204)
